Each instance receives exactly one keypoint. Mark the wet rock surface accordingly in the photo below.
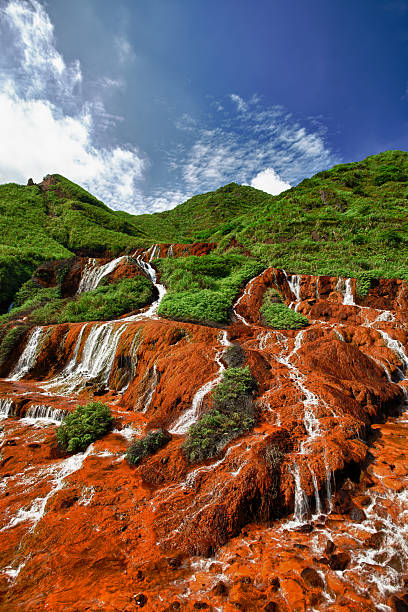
(323, 529)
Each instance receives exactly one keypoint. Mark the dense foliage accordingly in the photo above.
(83, 426)
(9, 341)
(204, 288)
(196, 219)
(350, 221)
(43, 306)
(232, 415)
(54, 221)
(147, 446)
(277, 315)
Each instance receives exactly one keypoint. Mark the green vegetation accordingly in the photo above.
(204, 288)
(232, 415)
(83, 426)
(350, 221)
(43, 306)
(277, 315)
(198, 218)
(9, 341)
(54, 221)
(150, 444)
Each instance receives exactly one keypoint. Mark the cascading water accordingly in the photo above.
(59, 472)
(46, 413)
(318, 506)
(28, 357)
(153, 252)
(345, 287)
(397, 348)
(188, 418)
(151, 273)
(153, 385)
(247, 291)
(94, 361)
(7, 408)
(93, 273)
(301, 507)
(294, 283)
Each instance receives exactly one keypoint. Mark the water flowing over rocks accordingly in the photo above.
(308, 511)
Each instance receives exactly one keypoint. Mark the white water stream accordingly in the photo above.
(190, 416)
(93, 273)
(28, 357)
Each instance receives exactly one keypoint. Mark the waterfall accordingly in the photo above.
(396, 347)
(7, 408)
(329, 490)
(294, 283)
(93, 273)
(316, 492)
(301, 509)
(95, 360)
(153, 252)
(247, 291)
(45, 412)
(151, 273)
(154, 381)
(28, 357)
(188, 418)
(345, 287)
(170, 251)
(312, 427)
(348, 295)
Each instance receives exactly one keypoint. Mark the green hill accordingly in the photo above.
(351, 220)
(200, 216)
(53, 220)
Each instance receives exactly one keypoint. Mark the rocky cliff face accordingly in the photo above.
(323, 528)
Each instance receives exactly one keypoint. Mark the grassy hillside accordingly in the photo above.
(198, 218)
(351, 220)
(54, 220)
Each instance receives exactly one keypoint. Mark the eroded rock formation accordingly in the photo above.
(322, 527)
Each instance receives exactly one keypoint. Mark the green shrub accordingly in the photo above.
(232, 415)
(276, 314)
(83, 426)
(10, 342)
(43, 305)
(236, 383)
(203, 289)
(146, 446)
(109, 301)
(389, 173)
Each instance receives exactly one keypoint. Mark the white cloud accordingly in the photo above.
(47, 125)
(263, 146)
(50, 127)
(241, 105)
(268, 180)
(124, 49)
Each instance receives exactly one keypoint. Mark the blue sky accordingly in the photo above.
(147, 102)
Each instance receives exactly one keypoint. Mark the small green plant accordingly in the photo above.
(83, 426)
(147, 446)
(232, 415)
(276, 314)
